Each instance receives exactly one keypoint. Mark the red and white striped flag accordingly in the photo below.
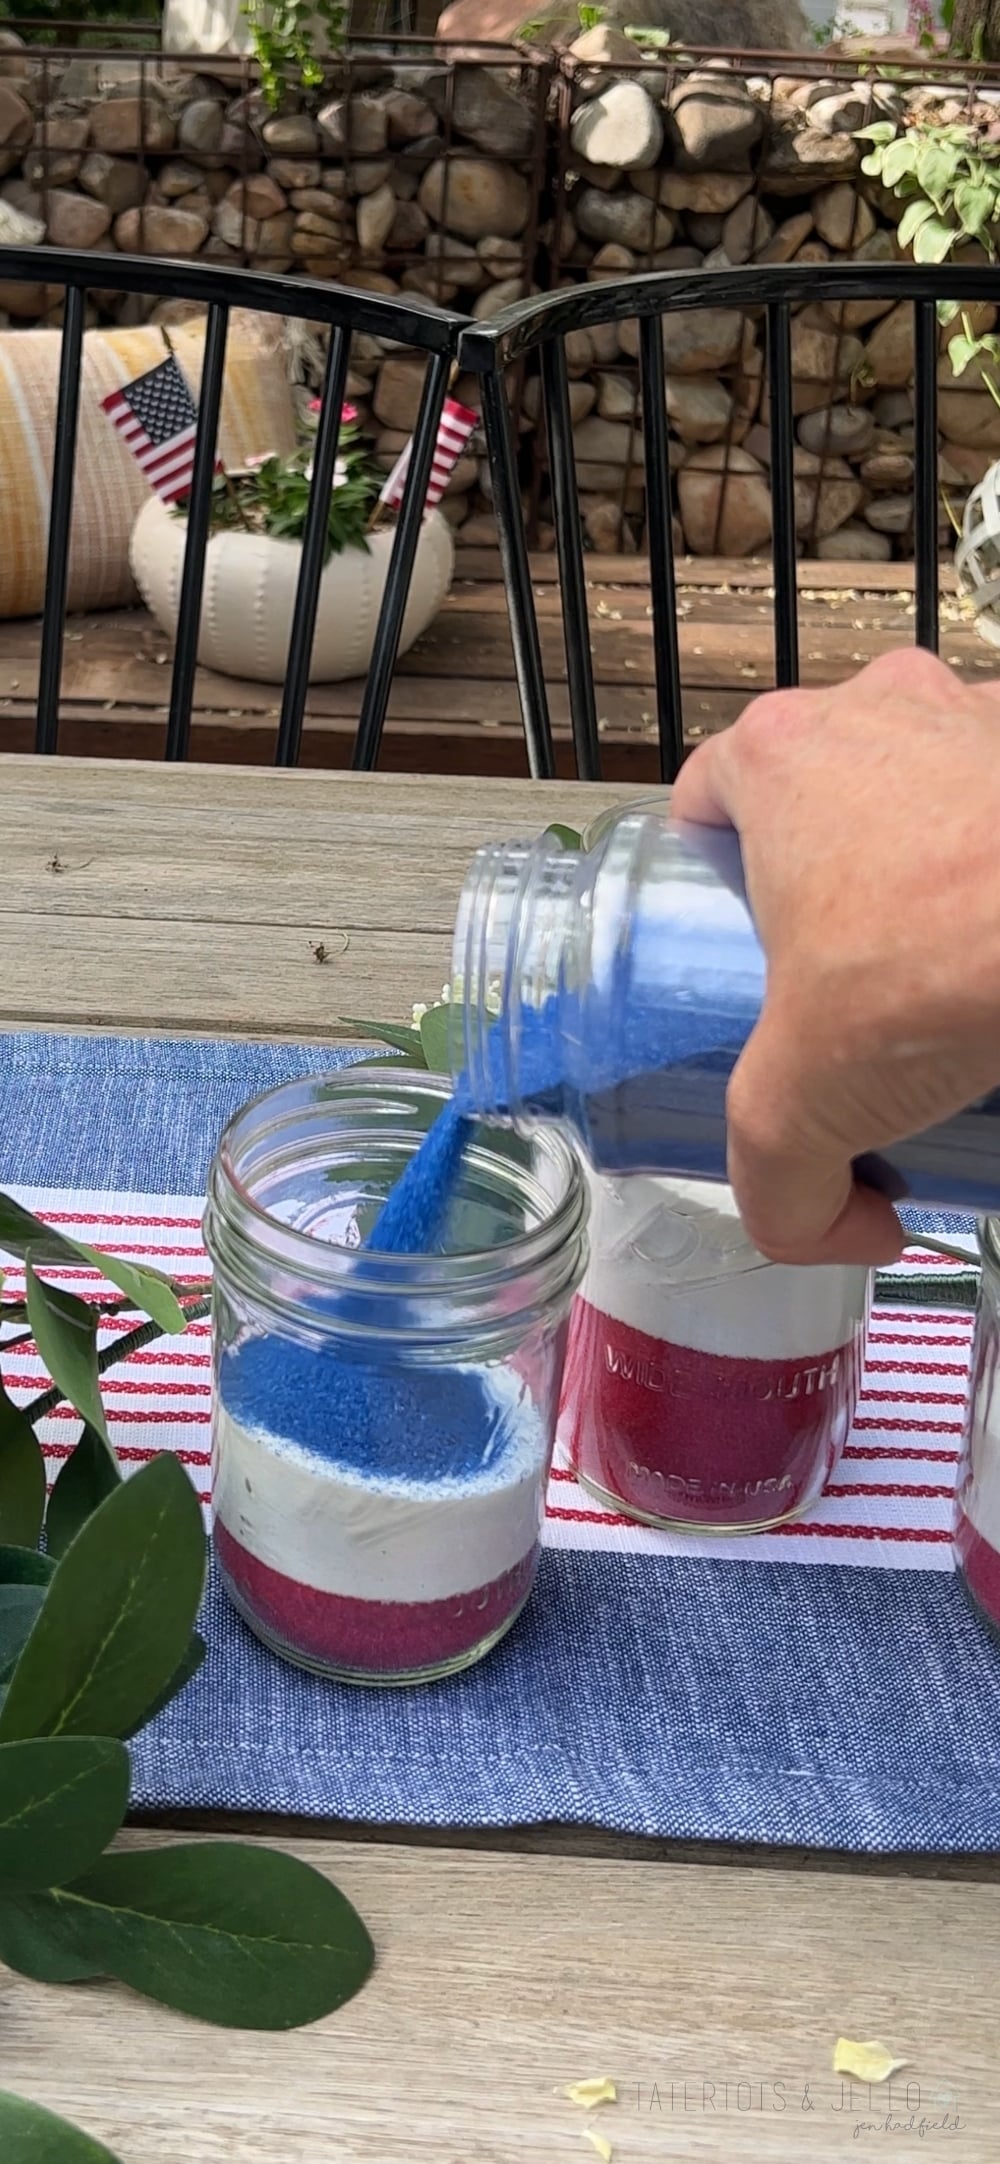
(454, 429)
(158, 419)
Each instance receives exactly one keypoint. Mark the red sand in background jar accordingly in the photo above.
(695, 1437)
(704, 1387)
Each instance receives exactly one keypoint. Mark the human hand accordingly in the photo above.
(869, 817)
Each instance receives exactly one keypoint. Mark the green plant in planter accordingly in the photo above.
(271, 495)
(948, 177)
(100, 1585)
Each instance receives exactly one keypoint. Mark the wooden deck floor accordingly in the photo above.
(454, 706)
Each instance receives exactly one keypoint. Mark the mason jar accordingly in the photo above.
(383, 1423)
(977, 1494)
(705, 1389)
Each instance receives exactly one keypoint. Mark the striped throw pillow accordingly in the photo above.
(257, 415)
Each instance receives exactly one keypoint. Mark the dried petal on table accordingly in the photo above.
(599, 2142)
(870, 2062)
(599, 2090)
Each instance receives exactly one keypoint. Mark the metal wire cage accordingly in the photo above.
(541, 327)
(220, 289)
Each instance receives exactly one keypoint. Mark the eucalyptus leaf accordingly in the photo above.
(568, 836)
(19, 1606)
(400, 1038)
(117, 1621)
(245, 1937)
(37, 1939)
(31, 2135)
(21, 1233)
(24, 1566)
(89, 1476)
(878, 131)
(22, 1477)
(62, 1799)
(435, 1038)
(179, 1681)
(65, 1332)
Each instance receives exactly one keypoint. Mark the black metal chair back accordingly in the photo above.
(220, 289)
(541, 326)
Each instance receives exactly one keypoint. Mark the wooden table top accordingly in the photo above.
(191, 899)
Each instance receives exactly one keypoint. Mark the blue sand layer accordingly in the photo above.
(389, 1423)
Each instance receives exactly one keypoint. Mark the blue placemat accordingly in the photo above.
(833, 1688)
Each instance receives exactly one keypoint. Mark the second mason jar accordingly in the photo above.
(705, 1389)
(383, 1423)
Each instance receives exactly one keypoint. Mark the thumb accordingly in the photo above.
(795, 1189)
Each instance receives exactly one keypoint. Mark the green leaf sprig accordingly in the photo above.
(97, 1636)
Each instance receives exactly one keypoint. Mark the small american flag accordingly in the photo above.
(158, 419)
(454, 429)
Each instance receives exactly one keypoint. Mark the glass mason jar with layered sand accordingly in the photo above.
(383, 1423)
(705, 1388)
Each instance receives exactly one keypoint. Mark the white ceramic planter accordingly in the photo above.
(249, 596)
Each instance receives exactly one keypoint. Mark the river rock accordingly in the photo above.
(822, 356)
(844, 431)
(617, 396)
(582, 397)
(966, 411)
(16, 119)
(160, 229)
(842, 217)
(125, 125)
(376, 213)
(602, 51)
(747, 229)
(292, 135)
(699, 407)
(854, 543)
(880, 247)
(826, 494)
(398, 390)
(626, 218)
(889, 350)
(840, 113)
(712, 122)
(725, 501)
(696, 341)
(786, 240)
(797, 160)
(481, 195)
(713, 192)
(482, 108)
(409, 229)
(890, 514)
(621, 128)
(18, 229)
(75, 221)
(358, 124)
(891, 471)
(407, 116)
(608, 443)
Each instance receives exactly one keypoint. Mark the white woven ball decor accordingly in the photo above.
(977, 557)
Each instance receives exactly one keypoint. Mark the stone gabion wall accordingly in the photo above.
(399, 176)
(471, 183)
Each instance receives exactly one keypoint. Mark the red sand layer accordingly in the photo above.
(980, 1565)
(700, 1438)
(371, 1637)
